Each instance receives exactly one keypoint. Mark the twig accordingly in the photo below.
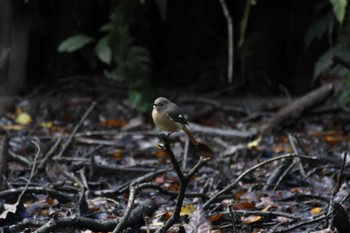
(96, 225)
(49, 153)
(340, 176)
(222, 132)
(184, 180)
(134, 189)
(62, 197)
(172, 158)
(185, 157)
(32, 171)
(292, 142)
(19, 158)
(83, 178)
(233, 219)
(75, 130)
(140, 179)
(230, 40)
(162, 190)
(13, 208)
(69, 175)
(3, 160)
(269, 213)
(286, 171)
(303, 224)
(129, 207)
(71, 221)
(232, 185)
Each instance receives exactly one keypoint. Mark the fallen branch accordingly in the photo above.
(136, 216)
(297, 107)
(265, 213)
(60, 196)
(222, 132)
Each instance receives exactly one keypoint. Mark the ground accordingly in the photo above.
(82, 160)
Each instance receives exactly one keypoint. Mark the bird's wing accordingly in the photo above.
(177, 117)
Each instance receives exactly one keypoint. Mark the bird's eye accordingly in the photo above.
(161, 104)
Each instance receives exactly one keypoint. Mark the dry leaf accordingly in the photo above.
(251, 219)
(316, 210)
(23, 118)
(243, 206)
(114, 123)
(187, 210)
(118, 154)
(9, 208)
(254, 143)
(216, 217)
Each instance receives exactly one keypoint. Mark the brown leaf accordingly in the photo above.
(113, 123)
(243, 206)
(216, 217)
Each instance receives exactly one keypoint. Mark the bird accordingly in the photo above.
(167, 116)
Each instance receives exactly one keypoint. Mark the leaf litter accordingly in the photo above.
(97, 159)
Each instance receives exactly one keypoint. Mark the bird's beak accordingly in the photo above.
(154, 104)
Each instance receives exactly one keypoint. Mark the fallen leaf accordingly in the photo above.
(251, 219)
(187, 210)
(254, 143)
(216, 217)
(316, 210)
(9, 208)
(114, 123)
(243, 206)
(161, 155)
(13, 127)
(23, 118)
(282, 219)
(118, 154)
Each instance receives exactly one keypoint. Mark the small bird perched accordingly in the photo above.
(167, 116)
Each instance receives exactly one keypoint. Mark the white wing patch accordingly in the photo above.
(180, 116)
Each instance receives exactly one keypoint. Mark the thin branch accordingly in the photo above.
(339, 179)
(319, 219)
(166, 147)
(75, 130)
(94, 224)
(286, 171)
(184, 180)
(264, 213)
(136, 188)
(230, 40)
(49, 153)
(295, 149)
(232, 185)
(129, 207)
(13, 208)
(61, 196)
(32, 170)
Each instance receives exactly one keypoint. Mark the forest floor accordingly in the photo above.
(81, 163)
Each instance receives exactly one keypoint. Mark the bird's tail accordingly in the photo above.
(189, 134)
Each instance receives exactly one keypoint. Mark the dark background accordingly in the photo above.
(188, 46)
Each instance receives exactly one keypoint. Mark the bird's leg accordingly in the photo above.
(168, 135)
